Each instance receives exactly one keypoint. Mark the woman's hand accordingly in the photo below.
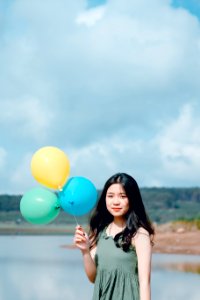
(81, 239)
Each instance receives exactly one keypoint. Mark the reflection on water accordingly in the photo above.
(37, 268)
(181, 263)
(185, 267)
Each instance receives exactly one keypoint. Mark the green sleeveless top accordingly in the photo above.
(117, 271)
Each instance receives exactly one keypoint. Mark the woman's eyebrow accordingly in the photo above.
(112, 193)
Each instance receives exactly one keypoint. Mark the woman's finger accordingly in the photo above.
(79, 231)
(81, 236)
(80, 239)
(80, 228)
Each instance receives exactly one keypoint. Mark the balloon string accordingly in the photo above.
(75, 220)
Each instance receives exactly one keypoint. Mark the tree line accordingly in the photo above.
(162, 204)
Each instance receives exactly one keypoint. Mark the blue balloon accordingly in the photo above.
(78, 196)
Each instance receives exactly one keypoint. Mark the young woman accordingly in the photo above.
(117, 252)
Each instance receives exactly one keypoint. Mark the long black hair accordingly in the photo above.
(136, 216)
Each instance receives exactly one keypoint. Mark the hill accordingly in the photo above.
(162, 204)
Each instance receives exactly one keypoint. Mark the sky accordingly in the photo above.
(114, 84)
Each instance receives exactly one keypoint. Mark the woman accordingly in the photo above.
(117, 252)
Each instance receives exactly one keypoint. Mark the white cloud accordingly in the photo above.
(100, 160)
(98, 83)
(91, 16)
(28, 117)
(21, 177)
(3, 157)
(169, 158)
(179, 144)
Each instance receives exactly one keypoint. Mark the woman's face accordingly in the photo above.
(117, 202)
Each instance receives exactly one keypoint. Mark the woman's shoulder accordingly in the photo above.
(141, 236)
(142, 230)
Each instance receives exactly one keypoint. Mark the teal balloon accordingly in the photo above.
(39, 206)
(78, 196)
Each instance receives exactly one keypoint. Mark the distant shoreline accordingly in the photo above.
(169, 238)
(11, 228)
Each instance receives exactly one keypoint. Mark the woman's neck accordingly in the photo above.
(116, 226)
(119, 222)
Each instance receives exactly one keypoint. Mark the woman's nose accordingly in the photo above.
(116, 200)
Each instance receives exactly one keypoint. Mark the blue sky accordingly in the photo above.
(193, 6)
(114, 84)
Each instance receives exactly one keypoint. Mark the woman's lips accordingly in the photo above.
(116, 208)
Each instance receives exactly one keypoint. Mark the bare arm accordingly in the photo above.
(82, 242)
(142, 243)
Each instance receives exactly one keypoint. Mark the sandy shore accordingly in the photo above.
(177, 238)
(173, 242)
(169, 238)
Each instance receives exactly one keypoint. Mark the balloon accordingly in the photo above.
(39, 206)
(78, 196)
(50, 167)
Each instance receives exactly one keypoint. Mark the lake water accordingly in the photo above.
(38, 268)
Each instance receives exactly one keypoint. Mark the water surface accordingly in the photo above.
(38, 268)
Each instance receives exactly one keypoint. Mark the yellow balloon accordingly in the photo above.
(50, 167)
